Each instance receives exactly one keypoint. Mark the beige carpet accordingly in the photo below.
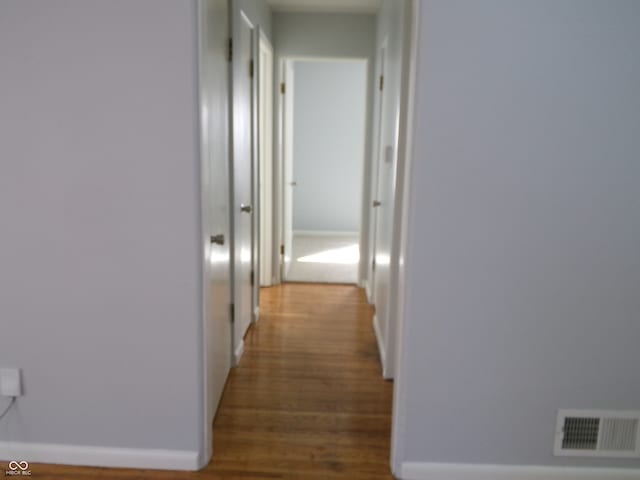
(324, 258)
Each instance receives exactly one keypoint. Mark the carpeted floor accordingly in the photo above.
(324, 258)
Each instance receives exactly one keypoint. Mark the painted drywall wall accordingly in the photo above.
(323, 35)
(523, 267)
(330, 102)
(101, 258)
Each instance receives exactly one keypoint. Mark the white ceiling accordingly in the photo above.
(334, 6)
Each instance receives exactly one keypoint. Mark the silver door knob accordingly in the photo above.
(245, 208)
(376, 203)
(294, 184)
(217, 239)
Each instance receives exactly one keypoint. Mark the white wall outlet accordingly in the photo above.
(10, 382)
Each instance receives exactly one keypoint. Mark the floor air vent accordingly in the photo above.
(597, 433)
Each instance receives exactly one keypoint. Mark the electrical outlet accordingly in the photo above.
(10, 382)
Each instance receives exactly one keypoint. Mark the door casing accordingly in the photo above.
(265, 252)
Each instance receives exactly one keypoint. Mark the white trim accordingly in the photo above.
(457, 471)
(100, 456)
(326, 233)
(398, 331)
(266, 78)
(256, 314)
(237, 355)
(380, 340)
(206, 419)
(312, 58)
(365, 285)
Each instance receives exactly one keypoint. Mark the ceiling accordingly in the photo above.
(325, 6)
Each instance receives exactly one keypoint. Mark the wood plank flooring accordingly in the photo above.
(307, 402)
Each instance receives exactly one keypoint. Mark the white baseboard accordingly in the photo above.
(379, 339)
(325, 233)
(237, 355)
(453, 471)
(256, 314)
(365, 284)
(99, 456)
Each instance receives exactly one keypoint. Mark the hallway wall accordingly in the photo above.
(329, 118)
(523, 265)
(101, 258)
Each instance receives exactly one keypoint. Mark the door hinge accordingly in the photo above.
(281, 249)
(373, 264)
(230, 49)
(252, 277)
(251, 68)
(282, 88)
(232, 312)
(381, 82)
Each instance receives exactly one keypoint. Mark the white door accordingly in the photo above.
(287, 178)
(377, 170)
(384, 203)
(214, 98)
(255, 176)
(265, 154)
(241, 176)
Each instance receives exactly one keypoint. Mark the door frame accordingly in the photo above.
(402, 214)
(284, 64)
(265, 204)
(279, 181)
(399, 242)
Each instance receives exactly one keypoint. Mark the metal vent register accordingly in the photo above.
(598, 433)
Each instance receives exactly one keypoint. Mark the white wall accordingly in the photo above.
(323, 35)
(101, 258)
(330, 100)
(523, 266)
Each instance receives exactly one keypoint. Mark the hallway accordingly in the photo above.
(307, 401)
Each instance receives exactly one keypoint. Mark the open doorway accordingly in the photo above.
(318, 92)
(324, 105)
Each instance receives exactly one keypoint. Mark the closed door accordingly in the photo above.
(241, 166)
(215, 201)
(384, 202)
(378, 173)
(265, 154)
(287, 176)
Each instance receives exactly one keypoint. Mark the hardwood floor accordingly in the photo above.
(307, 402)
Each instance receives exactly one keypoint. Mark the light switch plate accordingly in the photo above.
(10, 382)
